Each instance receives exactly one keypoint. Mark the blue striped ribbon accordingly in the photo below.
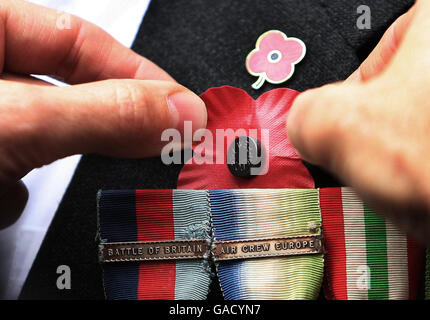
(126, 216)
(254, 214)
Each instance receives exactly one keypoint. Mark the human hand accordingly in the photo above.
(41, 123)
(373, 130)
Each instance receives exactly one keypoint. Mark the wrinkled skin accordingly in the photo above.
(373, 130)
(41, 123)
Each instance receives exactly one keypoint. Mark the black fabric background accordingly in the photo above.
(202, 44)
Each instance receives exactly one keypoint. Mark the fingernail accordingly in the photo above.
(187, 106)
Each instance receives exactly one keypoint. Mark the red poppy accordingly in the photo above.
(233, 108)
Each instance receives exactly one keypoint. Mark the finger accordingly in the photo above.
(385, 50)
(316, 120)
(12, 204)
(34, 40)
(329, 127)
(339, 97)
(123, 118)
(334, 128)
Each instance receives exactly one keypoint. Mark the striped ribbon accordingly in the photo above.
(365, 256)
(252, 214)
(154, 215)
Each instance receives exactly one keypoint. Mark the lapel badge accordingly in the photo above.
(274, 58)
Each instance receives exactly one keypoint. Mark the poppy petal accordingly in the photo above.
(231, 109)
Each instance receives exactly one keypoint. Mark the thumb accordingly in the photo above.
(321, 120)
(319, 117)
(122, 118)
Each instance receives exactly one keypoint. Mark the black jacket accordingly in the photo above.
(202, 44)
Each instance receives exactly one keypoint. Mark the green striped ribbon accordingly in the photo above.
(367, 258)
(376, 249)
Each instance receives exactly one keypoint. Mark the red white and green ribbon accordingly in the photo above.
(367, 257)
